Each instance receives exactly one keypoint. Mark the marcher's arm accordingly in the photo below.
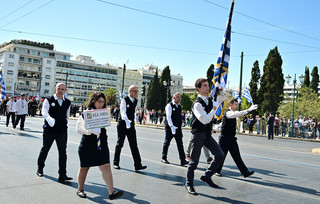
(80, 127)
(235, 114)
(168, 114)
(201, 114)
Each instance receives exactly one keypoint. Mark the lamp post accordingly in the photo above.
(288, 78)
(166, 83)
(123, 74)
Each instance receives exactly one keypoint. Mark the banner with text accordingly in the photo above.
(97, 118)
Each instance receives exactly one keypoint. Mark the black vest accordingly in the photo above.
(196, 125)
(59, 113)
(131, 109)
(228, 127)
(175, 115)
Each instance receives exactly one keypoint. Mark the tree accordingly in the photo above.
(210, 73)
(111, 96)
(272, 81)
(315, 79)
(306, 81)
(305, 105)
(254, 82)
(165, 90)
(186, 102)
(153, 96)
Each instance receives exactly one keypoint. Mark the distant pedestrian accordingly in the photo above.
(270, 126)
(21, 111)
(11, 112)
(93, 150)
(56, 111)
(244, 123)
(258, 121)
(284, 127)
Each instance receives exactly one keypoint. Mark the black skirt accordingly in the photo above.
(88, 150)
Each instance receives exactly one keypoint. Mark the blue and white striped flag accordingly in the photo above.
(246, 94)
(222, 67)
(2, 88)
(235, 94)
(122, 95)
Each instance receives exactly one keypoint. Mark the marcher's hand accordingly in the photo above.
(253, 107)
(128, 124)
(96, 131)
(173, 129)
(51, 121)
(221, 97)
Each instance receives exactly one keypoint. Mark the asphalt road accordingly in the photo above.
(286, 171)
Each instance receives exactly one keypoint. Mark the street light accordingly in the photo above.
(288, 78)
(166, 83)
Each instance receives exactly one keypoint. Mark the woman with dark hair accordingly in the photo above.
(92, 154)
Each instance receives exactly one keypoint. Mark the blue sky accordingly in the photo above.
(114, 25)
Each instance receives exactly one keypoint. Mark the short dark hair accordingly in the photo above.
(233, 100)
(95, 96)
(199, 82)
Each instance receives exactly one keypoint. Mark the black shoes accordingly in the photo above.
(21, 128)
(190, 189)
(115, 194)
(248, 173)
(81, 194)
(183, 163)
(209, 181)
(140, 168)
(39, 172)
(63, 178)
(165, 161)
(116, 166)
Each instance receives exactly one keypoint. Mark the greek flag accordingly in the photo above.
(222, 67)
(246, 94)
(235, 94)
(2, 88)
(122, 95)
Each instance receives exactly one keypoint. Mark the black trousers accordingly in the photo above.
(23, 118)
(270, 131)
(13, 118)
(229, 144)
(198, 140)
(132, 139)
(178, 137)
(61, 141)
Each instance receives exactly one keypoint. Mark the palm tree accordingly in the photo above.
(111, 97)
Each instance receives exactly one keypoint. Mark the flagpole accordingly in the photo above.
(240, 85)
(224, 46)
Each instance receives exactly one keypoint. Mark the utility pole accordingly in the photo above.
(240, 85)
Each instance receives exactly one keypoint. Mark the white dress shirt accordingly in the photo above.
(234, 114)
(123, 108)
(11, 106)
(21, 107)
(169, 112)
(46, 106)
(80, 127)
(201, 114)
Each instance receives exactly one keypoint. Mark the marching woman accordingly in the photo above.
(94, 151)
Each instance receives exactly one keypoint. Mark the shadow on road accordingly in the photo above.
(100, 190)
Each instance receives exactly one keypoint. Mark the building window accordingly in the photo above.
(48, 77)
(49, 61)
(47, 84)
(10, 72)
(22, 59)
(36, 61)
(11, 56)
(9, 80)
(48, 69)
(10, 64)
(8, 88)
(46, 91)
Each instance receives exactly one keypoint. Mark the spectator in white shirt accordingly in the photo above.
(21, 111)
(11, 108)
